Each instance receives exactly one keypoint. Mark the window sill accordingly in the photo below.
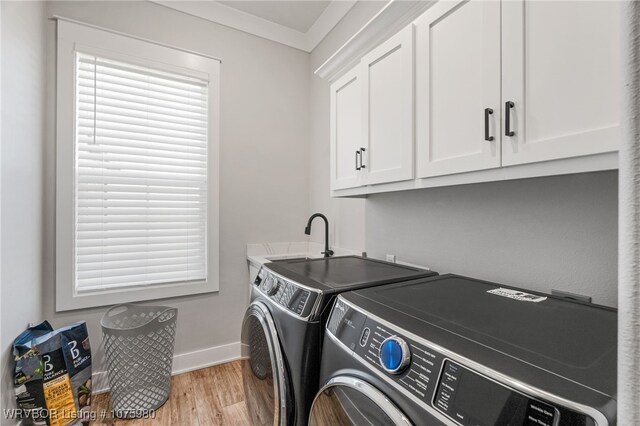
(97, 298)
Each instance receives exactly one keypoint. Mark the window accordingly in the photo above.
(137, 170)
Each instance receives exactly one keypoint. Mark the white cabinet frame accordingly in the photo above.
(480, 153)
(400, 45)
(346, 132)
(586, 138)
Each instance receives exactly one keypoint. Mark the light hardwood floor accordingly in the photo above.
(211, 396)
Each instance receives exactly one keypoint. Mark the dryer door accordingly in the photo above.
(345, 400)
(263, 369)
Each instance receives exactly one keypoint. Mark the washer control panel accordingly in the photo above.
(410, 364)
(441, 384)
(291, 296)
(470, 398)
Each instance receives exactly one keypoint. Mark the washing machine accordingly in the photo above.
(283, 329)
(460, 351)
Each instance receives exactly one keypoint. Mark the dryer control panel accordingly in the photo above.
(293, 297)
(437, 382)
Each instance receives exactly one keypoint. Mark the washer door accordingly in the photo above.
(263, 372)
(346, 401)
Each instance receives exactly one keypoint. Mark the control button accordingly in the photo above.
(271, 285)
(274, 287)
(539, 413)
(258, 279)
(267, 282)
(301, 302)
(394, 355)
(286, 296)
(365, 336)
(281, 288)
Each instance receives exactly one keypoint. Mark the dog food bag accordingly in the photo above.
(53, 375)
(28, 375)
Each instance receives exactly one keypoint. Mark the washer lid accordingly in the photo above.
(574, 340)
(343, 273)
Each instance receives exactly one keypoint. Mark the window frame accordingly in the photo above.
(75, 37)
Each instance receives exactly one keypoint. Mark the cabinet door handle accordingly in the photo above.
(357, 154)
(487, 113)
(507, 119)
(362, 166)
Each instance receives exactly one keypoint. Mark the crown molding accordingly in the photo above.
(388, 21)
(336, 10)
(233, 18)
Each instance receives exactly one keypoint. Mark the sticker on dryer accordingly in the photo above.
(517, 295)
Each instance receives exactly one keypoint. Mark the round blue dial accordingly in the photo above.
(391, 354)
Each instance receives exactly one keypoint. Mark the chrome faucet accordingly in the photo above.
(307, 230)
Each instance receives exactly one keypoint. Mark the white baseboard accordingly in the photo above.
(185, 362)
(190, 361)
(99, 382)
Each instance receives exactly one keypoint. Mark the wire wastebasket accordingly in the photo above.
(139, 342)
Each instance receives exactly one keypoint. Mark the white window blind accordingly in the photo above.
(140, 175)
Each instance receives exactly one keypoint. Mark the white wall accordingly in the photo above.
(23, 87)
(346, 216)
(264, 130)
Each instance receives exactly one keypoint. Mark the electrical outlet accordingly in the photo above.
(391, 258)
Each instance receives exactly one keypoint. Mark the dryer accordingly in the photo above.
(283, 329)
(461, 351)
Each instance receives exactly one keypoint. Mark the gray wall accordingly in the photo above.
(547, 233)
(264, 119)
(346, 216)
(264, 132)
(23, 118)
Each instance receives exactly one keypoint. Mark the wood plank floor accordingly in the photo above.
(211, 396)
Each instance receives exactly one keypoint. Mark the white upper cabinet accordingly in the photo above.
(478, 91)
(458, 88)
(560, 69)
(387, 78)
(346, 130)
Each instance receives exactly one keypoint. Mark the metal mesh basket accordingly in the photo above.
(139, 342)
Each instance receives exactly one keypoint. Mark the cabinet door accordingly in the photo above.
(458, 87)
(346, 130)
(387, 78)
(560, 69)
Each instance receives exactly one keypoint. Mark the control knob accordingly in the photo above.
(271, 286)
(394, 355)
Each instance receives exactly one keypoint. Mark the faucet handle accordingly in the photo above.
(327, 253)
